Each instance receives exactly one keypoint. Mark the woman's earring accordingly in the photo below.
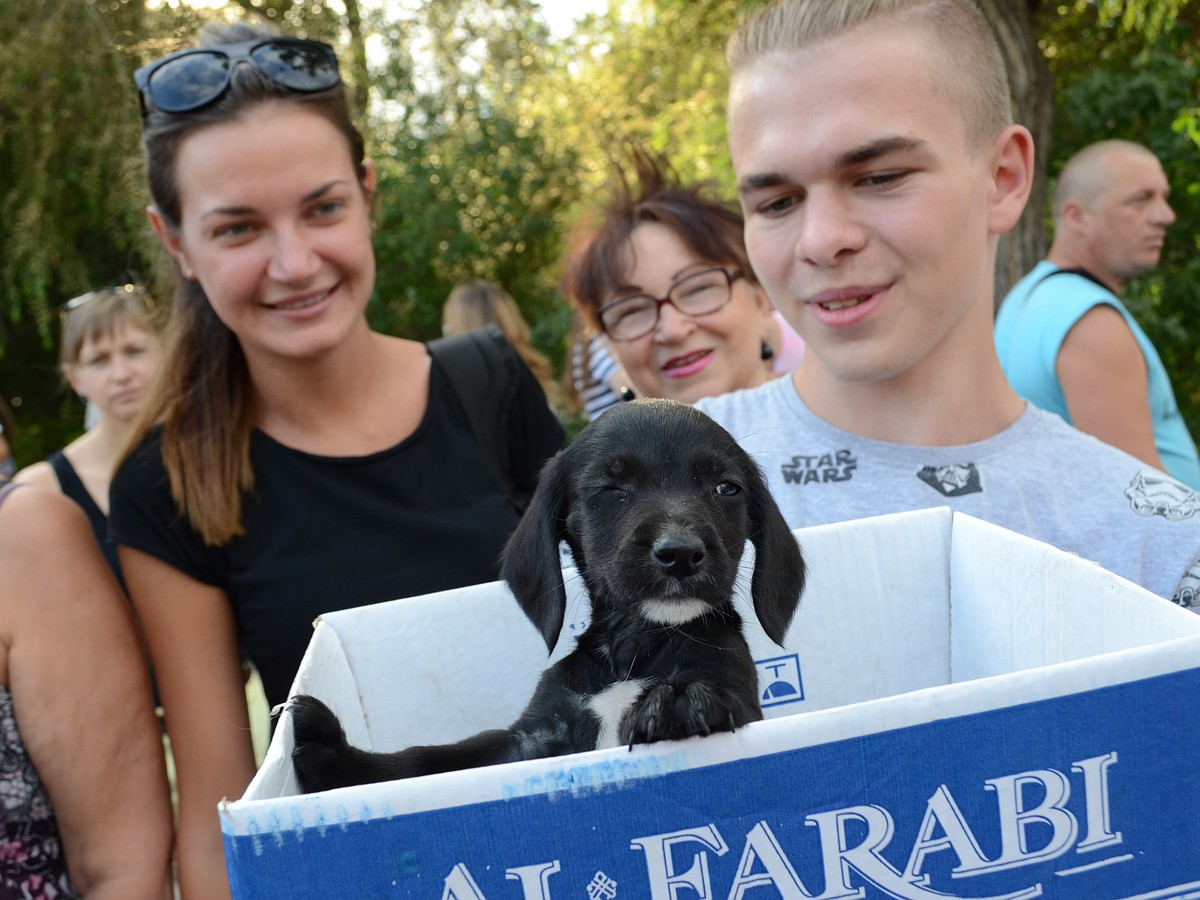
(626, 393)
(768, 352)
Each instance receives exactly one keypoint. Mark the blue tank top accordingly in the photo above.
(1032, 324)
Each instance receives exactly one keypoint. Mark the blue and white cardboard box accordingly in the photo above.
(958, 711)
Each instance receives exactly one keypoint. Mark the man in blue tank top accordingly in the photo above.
(1065, 340)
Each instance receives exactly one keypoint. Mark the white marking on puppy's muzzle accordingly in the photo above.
(672, 612)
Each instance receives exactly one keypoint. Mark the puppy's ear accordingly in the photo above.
(778, 579)
(531, 565)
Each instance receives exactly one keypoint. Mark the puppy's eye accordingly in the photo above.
(620, 491)
(727, 489)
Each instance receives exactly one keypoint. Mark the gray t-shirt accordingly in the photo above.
(1039, 477)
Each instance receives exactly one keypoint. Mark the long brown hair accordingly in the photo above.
(202, 396)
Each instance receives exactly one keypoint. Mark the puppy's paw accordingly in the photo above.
(670, 712)
(321, 749)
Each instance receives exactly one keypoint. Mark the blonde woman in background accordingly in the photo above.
(109, 354)
(474, 304)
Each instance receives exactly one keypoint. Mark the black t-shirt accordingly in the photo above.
(329, 533)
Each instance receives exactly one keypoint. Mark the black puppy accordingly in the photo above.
(656, 502)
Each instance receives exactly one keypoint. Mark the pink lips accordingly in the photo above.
(304, 306)
(688, 364)
(846, 307)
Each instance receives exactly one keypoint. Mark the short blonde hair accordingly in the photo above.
(100, 313)
(965, 59)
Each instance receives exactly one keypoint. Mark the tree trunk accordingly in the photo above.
(1032, 89)
(360, 96)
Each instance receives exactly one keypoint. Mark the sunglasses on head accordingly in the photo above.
(192, 79)
(83, 299)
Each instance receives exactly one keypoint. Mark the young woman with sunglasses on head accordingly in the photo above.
(665, 277)
(293, 461)
(109, 352)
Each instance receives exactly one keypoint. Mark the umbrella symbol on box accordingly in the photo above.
(781, 675)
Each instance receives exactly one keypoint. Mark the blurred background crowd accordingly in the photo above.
(493, 126)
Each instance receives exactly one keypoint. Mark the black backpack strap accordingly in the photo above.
(482, 368)
(1082, 273)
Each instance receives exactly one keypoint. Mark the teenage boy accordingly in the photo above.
(877, 166)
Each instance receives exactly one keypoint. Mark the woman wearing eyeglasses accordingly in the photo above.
(293, 461)
(110, 349)
(665, 277)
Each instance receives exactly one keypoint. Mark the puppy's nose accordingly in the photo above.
(679, 555)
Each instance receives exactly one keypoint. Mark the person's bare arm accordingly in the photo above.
(81, 696)
(40, 474)
(190, 630)
(1106, 385)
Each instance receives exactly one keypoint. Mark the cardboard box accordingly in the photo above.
(958, 712)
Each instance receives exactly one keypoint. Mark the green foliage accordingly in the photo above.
(70, 208)
(477, 203)
(467, 186)
(651, 73)
(1146, 17)
(70, 193)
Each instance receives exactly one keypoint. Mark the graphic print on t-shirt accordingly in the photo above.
(953, 481)
(836, 465)
(1187, 594)
(1153, 495)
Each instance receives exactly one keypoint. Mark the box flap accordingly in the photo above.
(875, 617)
(472, 652)
(1019, 604)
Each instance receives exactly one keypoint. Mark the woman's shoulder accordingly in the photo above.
(141, 466)
(46, 517)
(39, 475)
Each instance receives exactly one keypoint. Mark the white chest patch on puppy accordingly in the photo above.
(673, 612)
(610, 707)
